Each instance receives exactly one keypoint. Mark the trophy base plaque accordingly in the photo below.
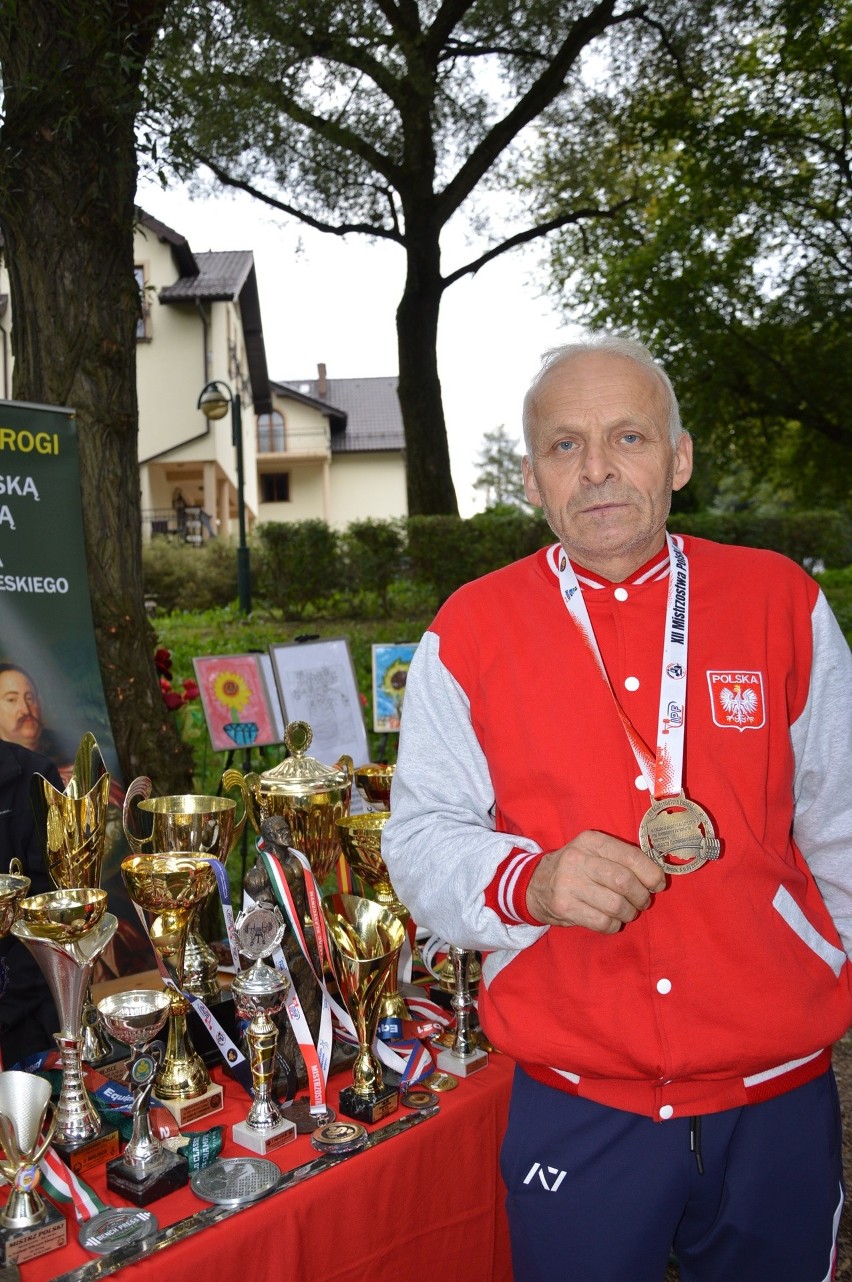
(169, 1174)
(462, 1065)
(18, 1245)
(185, 1111)
(368, 1108)
(263, 1141)
(101, 1148)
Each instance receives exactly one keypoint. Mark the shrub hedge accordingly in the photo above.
(306, 570)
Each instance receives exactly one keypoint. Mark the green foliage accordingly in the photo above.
(300, 563)
(732, 255)
(178, 576)
(499, 470)
(445, 551)
(373, 556)
(837, 586)
(812, 538)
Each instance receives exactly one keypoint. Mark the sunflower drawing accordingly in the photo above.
(232, 692)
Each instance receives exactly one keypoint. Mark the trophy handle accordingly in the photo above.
(247, 785)
(15, 868)
(140, 787)
(9, 1140)
(347, 765)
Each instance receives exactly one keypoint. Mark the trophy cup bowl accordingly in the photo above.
(374, 784)
(192, 824)
(361, 838)
(24, 1104)
(147, 1169)
(365, 942)
(63, 915)
(170, 886)
(310, 796)
(66, 931)
(13, 888)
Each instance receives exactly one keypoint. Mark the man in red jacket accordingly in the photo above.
(621, 776)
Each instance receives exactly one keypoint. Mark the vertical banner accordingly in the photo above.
(50, 683)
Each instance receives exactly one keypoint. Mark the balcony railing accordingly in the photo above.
(277, 438)
(188, 525)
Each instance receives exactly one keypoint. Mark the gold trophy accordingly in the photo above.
(194, 825)
(361, 838)
(13, 886)
(365, 943)
(66, 931)
(29, 1226)
(374, 784)
(170, 886)
(310, 796)
(74, 828)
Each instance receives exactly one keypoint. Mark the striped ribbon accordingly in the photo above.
(64, 1186)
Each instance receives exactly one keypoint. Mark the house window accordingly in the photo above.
(270, 433)
(143, 318)
(275, 487)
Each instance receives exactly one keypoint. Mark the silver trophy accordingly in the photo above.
(28, 1225)
(260, 993)
(465, 1056)
(146, 1170)
(66, 931)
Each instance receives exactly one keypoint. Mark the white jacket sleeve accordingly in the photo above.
(822, 825)
(440, 844)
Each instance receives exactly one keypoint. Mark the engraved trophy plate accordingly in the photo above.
(678, 835)
(116, 1227)
(230, 1181)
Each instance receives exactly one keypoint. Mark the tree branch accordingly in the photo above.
(535, 233)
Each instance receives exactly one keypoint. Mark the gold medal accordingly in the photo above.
(678, 835)
(439, 1082)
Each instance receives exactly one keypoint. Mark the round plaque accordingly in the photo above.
(230, 1181)
(441, 1082)
(418, 1097)
(306, 1122)
(678, 835)
(259, 930)
(116, 1226)
(340, 1137)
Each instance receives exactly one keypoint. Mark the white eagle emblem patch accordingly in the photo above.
(736, 699)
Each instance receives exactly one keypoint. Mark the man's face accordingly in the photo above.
(20, 710)
(601, 464)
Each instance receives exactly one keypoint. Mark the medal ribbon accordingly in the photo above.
(63, 1186)
(664, 772)
(223, 885)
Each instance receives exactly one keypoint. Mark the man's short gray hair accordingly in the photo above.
(612, 345)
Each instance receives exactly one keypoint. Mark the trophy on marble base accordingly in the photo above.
(29, 1226)
(73, 826)
(260, 993)
(169, 887)
(464, 1057)
(365, 942)
(146, 1169)
(66, 931)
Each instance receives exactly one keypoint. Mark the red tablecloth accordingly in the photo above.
(429, 1202)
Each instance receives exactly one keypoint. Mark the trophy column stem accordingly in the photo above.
(182, 1074)
(262, 1037)
(76, 1119)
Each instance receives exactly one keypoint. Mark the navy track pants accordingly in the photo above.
(599, 1195)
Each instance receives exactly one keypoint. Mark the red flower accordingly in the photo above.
(163, 662)
(165, 685)
(190, 690)
(172, 700)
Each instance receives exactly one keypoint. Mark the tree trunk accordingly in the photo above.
(71, 75)
(430, 483)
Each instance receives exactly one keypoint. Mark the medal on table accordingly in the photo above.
(675, 832)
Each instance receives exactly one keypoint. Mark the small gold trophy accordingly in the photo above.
(169, 887)
(365, 943)
(74, 828)
(361, 838)
(260, 993)
(374, 784)
(193, 825)
(66, 931)
(29, 1226)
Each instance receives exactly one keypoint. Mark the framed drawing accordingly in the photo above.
(316, 683)
(237, 706)
(390, 673)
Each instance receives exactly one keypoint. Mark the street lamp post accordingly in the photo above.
(213, 403)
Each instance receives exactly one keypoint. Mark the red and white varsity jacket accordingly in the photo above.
(734, 984)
